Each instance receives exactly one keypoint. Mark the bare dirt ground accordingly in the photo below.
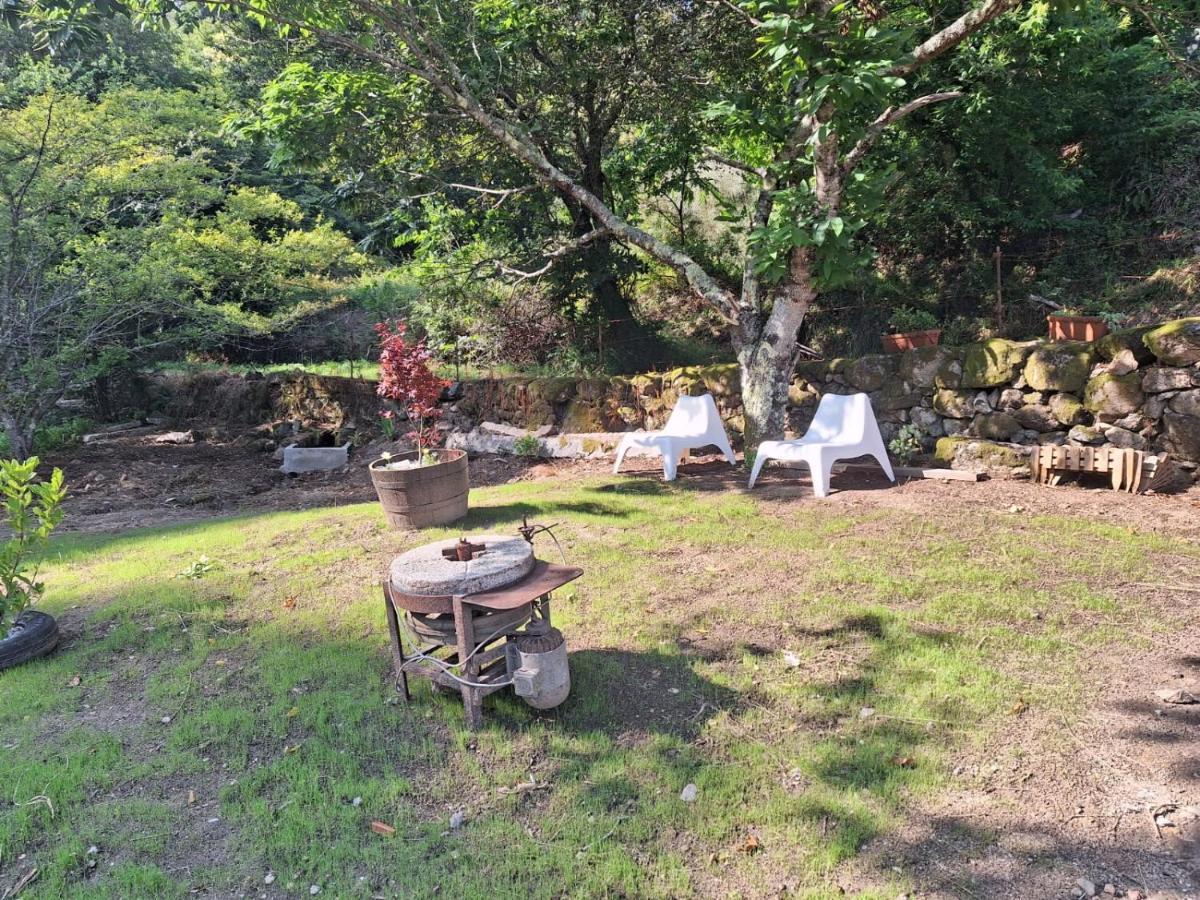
(1108, 801)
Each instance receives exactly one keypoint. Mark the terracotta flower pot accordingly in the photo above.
(425, 496)
(910, 340)
(1076, 328)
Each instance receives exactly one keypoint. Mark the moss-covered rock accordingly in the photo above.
(1037, 417)
(722, 381)
(1060, 367)
(1130, 339)
(950, 373)
(870, 373)
(946, 447)
(582, 417)
(964, 453)
(954, 404)
(814, 371)
(1114, 395)
(895, 395)
(1176, 343)
(1183, 436)
(992, 363)
(1086, 434)
(995, 426)
(1068, 409)
(919, 367)
(1163, 378)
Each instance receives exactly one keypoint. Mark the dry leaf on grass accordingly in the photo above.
(289, 603)
(1019, 707)
(382, 828)
(750, 845)
(75, 681)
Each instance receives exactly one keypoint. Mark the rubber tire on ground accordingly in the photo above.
(33, 634)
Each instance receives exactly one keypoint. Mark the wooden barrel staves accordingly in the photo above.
(425, 496)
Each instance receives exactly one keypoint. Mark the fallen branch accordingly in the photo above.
(25, 881)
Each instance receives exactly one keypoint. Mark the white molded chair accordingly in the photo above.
(694, 422)
(843, 428)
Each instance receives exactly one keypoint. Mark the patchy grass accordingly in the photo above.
(809, 669)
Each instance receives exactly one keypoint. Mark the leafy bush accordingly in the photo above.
(527, 445)
(906, 318)
(32, 510)
(906, 445)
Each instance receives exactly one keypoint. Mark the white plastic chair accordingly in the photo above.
(694, 422)
(843, 428)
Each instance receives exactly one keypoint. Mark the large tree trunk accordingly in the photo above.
(20, 436)
(766, 353)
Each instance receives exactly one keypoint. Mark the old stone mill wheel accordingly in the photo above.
(477, 613)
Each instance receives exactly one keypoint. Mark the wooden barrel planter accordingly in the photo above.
(33, 634)
(425, 496)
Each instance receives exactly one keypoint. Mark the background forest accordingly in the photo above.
(218, 192)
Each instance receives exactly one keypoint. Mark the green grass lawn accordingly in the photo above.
(243, 722)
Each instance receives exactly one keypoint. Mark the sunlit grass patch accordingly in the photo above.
(811, 674)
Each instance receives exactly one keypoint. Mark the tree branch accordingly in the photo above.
(953, 35)
(553, 256)
(886, 118)
(732, 163)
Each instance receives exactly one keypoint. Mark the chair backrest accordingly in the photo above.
(841, 417)
(693, 416)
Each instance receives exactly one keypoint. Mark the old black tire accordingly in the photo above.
(33, 634)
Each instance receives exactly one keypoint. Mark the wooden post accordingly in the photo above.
(464, 625)
(999, 291)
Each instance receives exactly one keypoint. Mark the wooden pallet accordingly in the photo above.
(1129, 470)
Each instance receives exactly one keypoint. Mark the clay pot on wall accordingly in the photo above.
(422, 496)
(910, 340)
(1077, 328)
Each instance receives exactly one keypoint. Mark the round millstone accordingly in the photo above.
(425, 572)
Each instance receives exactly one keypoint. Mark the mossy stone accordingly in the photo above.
(995, 426)
(920, 367)
(949, 373)
(1183, 436)
(1114, 395)
(721, 380)
(1067, 409)
(1060, 366)
(582, 417)
(986, 454)
(870, 373)
(1176, 343)
(954, 404)
(1130, 339)
(895, 395)
(947, 447)
(992, 363)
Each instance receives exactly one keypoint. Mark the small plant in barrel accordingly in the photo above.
(407, 378)
(32, 509)
(426, 486)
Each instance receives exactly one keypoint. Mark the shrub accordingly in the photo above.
(406, 377)
(32, 510)
(906, 444)
(527, 445)
(906, 318)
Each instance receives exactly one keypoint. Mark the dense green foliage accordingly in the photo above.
(216, 188)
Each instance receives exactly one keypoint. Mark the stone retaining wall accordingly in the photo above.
(1137, 388)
